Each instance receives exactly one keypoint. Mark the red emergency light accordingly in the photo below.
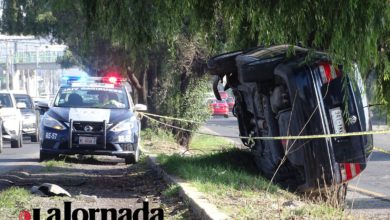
(112, 78)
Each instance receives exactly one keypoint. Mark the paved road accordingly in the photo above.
(12, 158)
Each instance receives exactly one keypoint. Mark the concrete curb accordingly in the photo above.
(198, 203)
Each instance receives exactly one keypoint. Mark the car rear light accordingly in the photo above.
(328, 72)
(349, 171)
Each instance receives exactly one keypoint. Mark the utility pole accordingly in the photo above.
(7, 64)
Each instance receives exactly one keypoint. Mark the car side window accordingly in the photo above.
(5, 100)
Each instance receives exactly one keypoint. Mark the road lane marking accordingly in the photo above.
(369, 193)
(381, 149)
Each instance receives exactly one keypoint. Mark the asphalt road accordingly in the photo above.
(373, 183)
(12, 158)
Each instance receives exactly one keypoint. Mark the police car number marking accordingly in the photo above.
(50, 135)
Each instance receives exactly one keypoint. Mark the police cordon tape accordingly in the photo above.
(251, 138)
(171, 118)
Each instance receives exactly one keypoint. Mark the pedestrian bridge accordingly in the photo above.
(28, 60)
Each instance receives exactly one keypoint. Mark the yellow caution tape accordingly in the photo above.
(300, 137)
(172, 118)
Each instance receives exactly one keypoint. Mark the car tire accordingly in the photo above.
(18, 142)
(133, 158)
(226, 116)
(43, 156)
(35, 138)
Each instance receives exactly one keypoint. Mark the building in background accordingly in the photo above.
(30, 64)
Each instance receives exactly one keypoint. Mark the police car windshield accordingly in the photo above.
(92, 97)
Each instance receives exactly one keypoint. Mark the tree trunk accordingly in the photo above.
(152, 83)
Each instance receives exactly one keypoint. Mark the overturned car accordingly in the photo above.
(291, 91)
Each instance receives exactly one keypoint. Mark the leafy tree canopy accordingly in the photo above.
(136, 31)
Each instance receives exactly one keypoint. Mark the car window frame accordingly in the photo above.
(12, 100)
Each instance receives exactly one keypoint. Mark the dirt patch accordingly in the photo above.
(99, 184)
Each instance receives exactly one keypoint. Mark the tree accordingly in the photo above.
(141, 35)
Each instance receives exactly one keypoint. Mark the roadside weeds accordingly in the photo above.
(228, 178)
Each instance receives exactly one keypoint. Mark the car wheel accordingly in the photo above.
(34, 138)
(43, 156)
(133, 158)
(226, 116)
(18, 142)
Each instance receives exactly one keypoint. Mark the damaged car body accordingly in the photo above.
(280, 92)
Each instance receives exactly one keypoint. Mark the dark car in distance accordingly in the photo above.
(292, 91)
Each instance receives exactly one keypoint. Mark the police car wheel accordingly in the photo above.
(130, 159)
(133, 158)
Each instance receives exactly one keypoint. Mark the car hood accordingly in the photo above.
(89, 114)
(5, 112)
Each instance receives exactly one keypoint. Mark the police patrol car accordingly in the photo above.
(93, 116)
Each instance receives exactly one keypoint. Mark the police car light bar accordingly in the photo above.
(73, 80)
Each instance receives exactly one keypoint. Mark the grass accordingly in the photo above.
(207, 143)
(12, 201)
(50, 165)
(171, 191)
(228, 168)
(158, 141)
(229, 179)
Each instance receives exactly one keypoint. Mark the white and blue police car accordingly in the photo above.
(91, 116)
